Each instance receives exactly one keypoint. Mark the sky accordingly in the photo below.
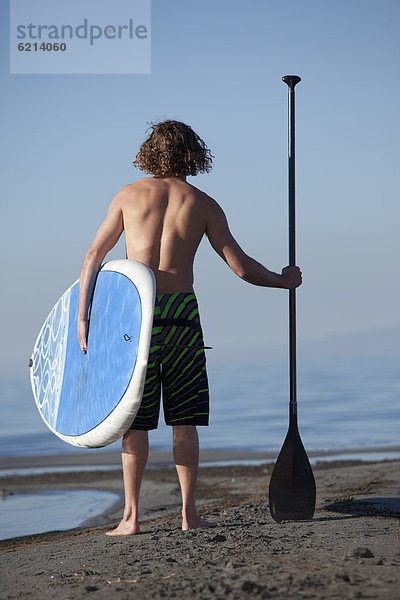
(68, 142)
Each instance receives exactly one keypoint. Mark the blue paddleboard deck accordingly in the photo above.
(82, 397)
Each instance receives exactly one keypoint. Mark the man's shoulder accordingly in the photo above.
(133, 190)
(137, 186)
(201, 195)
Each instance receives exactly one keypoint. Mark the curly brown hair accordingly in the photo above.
(173, 149)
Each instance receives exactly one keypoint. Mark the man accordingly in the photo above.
(164, 219)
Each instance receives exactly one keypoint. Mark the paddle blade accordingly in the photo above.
(292, 487)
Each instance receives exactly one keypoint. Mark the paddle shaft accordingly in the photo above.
(291, 81)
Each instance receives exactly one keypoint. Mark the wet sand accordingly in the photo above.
(349, 550)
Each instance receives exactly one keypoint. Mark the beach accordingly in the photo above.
(350, 549)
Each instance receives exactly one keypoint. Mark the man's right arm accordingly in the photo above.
(105, 239)
(242, 265)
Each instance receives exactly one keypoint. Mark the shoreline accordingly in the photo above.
(349, 549)
(163, 458)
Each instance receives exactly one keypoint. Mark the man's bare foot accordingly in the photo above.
(126, 527)
(196, 523)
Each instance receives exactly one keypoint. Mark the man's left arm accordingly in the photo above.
(105, 239)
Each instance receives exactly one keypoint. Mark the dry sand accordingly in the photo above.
(349, 550)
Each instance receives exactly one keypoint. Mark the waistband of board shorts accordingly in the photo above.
(172, 310)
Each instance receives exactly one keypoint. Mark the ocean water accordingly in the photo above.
(37, 512)
(343, 404)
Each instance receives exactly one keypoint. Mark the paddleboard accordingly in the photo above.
(91, 399)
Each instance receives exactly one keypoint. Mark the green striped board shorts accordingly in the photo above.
(176, 365)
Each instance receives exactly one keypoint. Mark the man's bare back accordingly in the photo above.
(164, 221)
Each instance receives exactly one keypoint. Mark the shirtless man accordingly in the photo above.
(164, 219)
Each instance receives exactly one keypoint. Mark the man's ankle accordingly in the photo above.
(189, 513)
(130, 516)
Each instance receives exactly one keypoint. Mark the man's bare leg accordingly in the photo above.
(135, 451)
(186, 455)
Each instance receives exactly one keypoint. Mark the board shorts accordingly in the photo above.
(176, 366)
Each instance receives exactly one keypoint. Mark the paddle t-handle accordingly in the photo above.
(291, 80)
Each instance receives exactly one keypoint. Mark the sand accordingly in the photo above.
(349, 550)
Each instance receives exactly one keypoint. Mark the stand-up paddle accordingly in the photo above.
(292, 485)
